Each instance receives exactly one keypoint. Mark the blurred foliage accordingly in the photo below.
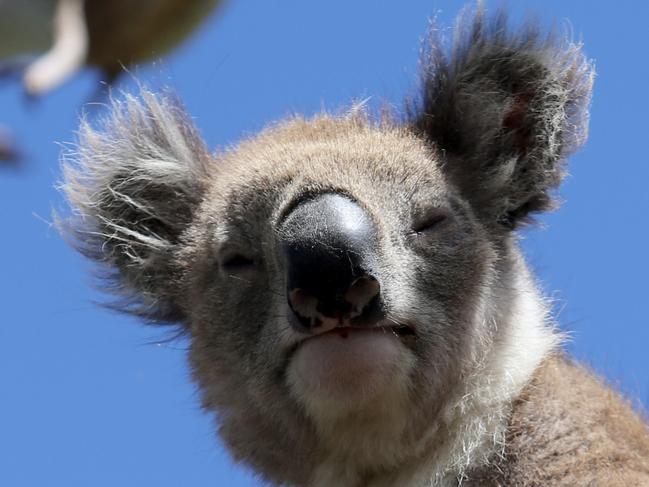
(46, 42)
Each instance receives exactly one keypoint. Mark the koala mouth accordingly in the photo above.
(401, 331)
(404, 333)
(345, 364)
(334, 350)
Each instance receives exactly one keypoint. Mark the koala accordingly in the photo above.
(358, 309)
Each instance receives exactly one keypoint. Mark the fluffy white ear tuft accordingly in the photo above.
(134, 183)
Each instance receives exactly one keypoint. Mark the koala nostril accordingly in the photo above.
(362, 291)
(302, 303)
(359, 305)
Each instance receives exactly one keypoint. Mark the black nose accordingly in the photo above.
(330, 245)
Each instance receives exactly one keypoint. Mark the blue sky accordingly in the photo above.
(88, 397)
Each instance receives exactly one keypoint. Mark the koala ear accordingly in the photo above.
(504, 111)
(134, 185)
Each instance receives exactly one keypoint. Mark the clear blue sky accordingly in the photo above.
(87, 397)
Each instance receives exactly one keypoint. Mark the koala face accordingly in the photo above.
(351, 287)
(356, 275)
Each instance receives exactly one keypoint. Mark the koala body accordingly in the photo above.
(358, 309)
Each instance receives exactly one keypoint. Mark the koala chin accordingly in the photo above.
(358, 309)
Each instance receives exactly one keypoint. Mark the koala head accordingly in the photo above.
(345, 282)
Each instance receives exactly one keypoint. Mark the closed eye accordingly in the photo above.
(237, 263)
(430, 223)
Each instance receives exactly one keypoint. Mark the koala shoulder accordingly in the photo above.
(566, 429)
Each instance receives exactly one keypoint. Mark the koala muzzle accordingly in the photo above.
(329, 244)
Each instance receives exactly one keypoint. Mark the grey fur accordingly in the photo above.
(507, 108)
(483, 148)
(134, 184)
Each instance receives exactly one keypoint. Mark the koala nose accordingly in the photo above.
(329, 245)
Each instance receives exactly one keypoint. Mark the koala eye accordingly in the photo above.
(430, 223)
(235, 263)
